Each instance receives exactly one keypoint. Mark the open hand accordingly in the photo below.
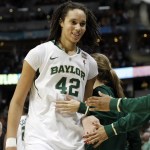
(99, 103)
(88, 126)
(96, 137)
(67, 106)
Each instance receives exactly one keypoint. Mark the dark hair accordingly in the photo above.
(107, 75)
(92, 30)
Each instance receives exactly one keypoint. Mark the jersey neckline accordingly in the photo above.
(55, 43)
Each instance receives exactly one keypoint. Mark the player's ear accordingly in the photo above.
(61, 22)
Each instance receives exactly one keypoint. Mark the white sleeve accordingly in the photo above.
(35, 57)
(93, 68)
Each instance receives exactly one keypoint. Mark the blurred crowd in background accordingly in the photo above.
(114, 19)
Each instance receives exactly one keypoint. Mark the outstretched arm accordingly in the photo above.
(127, 105)
(133, 105)
(124, 124)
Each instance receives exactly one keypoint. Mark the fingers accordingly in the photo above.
(96, 137)
(62, 107)
(89, 132)
(97, 125)
(92, 98)
(63, 110)
(103, 95)
(62, 102)
(93, 138)
(87, 135)
(92, 102)
(93, 109)
(68, 97)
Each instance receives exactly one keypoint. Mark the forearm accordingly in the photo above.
(137, 105)
(16, 106)
(14, 115)
(127, 123)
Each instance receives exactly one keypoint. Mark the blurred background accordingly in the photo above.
(125, 32)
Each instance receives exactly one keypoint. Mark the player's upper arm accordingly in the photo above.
(89, 88)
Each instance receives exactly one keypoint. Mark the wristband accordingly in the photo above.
(87, 109)
(11, 142)
(118, 108)
(112, 125)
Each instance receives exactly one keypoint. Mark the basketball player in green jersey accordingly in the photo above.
(63, 68)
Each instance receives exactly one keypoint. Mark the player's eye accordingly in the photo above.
(82, 24)
(74, 22)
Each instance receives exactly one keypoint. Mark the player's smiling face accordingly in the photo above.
(74, 25)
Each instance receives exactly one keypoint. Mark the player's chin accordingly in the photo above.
(76, 40)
